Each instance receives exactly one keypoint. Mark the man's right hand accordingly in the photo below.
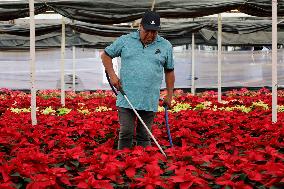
(115, 81)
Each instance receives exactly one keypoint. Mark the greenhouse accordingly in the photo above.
(61, 113)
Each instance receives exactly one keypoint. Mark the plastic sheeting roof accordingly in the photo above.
(109, 12)
(169, 29)
(118, 11)
(235, 32)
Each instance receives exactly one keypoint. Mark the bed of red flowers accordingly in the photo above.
(232, 144)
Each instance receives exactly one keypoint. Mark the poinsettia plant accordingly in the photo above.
(227, 144)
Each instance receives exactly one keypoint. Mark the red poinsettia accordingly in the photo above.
(213, 147)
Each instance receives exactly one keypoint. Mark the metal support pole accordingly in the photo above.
(62, 63)
(274, 61)
(219, 57)
(74, 63)
(193, 65)
(32, 62)
(74, 68)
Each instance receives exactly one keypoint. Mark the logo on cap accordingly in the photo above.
(153, 22)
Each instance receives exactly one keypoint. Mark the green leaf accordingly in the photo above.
(205, 164)
(67, 167)
(213, 185)
(281, 150)
(243, 176)
(75, 163)
(19, 185)
(63, 111)
(168, 173)
(275, 187)
(218, 171)
(58, 164)
(27, 180)
(15, 175)
(239, 176)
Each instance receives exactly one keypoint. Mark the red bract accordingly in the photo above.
(5, 174)
(186, 177)
(131, 165)
(40, 181)
(93, 183)
(151, 178)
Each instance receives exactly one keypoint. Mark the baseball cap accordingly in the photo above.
(151, 21)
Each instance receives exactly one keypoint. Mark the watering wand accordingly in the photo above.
(167, 124)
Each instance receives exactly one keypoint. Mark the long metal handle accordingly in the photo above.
(112, 87)
(149, 132)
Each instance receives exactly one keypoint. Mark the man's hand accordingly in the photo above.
(168, 102)
(170, 80)
(114, 80)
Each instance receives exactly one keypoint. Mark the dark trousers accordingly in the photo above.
(127, 121)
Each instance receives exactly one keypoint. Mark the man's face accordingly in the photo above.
(147, 36)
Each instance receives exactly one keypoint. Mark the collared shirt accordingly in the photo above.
(142, 69)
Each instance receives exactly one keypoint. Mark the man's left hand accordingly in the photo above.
(168, 102)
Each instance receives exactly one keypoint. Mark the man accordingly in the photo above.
(144, 57)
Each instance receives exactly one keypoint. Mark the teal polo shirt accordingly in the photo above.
(142, 69)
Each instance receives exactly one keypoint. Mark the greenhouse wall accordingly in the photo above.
(239, 68)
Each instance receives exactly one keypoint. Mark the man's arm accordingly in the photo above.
(170, 81)
(107, 62)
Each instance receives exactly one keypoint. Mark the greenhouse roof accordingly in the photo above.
(93, 19)
(110, 12)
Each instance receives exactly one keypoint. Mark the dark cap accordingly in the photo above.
(151, 21)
